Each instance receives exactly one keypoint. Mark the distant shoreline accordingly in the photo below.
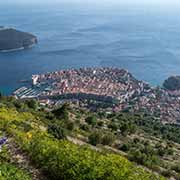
(17, 49)
(12, 50)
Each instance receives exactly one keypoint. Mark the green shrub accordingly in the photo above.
(176, 168)
(144, 157)
(85, 127)
(124, 147)
(113, 126)
(62, 112)
(95, 138)
(160, 150)
(91, 120)
(57, 131)
(167, 173)
(32, 104)
(100, 123)
(10, 172)
(108, 138)
(64, 160)
(69, 125)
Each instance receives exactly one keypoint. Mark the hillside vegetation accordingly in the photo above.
(42, 136)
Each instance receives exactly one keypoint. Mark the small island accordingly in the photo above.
(172, 83)
(12, 39)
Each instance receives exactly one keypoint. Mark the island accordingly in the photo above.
(172, 83)
(12, 39)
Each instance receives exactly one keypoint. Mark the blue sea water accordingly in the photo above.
(144, 40)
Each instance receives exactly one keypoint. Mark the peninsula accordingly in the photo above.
(12, 39)
(112, 89)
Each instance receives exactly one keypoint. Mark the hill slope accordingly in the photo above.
(50, 151)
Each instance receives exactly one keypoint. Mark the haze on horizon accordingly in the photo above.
(155, 2)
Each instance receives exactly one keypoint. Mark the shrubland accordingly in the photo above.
(44, 135)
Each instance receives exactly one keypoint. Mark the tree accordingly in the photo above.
(100, 123)
(161, 150)
(124, 147)
(62, 112)
(57, 131)
(70, 125)
(167, 173)
(85, 127)
(176, 168)
(18, 104)
(95, 138)
(91, 120)
(32, 104)
(124, 129)
(108, 138)
(1, 94)
(137, 156)
(113, 126)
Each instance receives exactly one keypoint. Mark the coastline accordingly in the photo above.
(112, 89)
(17, 49)
(12, 50)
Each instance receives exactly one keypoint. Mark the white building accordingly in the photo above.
(35, 79)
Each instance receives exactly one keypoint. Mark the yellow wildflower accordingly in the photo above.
(29, 135)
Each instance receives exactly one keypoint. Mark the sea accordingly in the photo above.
(144, 40)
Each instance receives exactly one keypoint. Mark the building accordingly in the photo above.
(35, 79)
